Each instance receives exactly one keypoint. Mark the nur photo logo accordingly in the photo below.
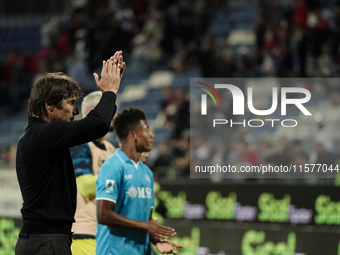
(240, 101)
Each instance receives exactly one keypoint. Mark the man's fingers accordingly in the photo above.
(118, 58)
(167, 229)
(108, 64)
(116, 55)
(167, 232)
(96, 77)
(117, 69)
(103, 68)
(178, 245)
(174, 252)
(122, 69)
(112, 66)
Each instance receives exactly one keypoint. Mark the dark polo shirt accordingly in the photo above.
(45, 170)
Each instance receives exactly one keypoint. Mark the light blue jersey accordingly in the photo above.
(130, 187)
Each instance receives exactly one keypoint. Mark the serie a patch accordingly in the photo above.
(109, 184)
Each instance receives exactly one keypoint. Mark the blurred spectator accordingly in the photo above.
(12, 68)
(319, 33)
(115, 38)
(181, 151)
(334, 97)
(163, 160)
(285, 151)
(219, 158)
(300, 12)
(182, 117)
(168, 107)
(324, 157)
(185, 29)
(206, 57)
(64, 44)
(146, 45)
(334, 35)
(126, 18)
(246, 154)
(30, 63)
(271, 156)
(324, 137)
(78, 70)
(298, 149)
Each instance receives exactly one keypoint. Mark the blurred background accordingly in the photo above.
(165, 43)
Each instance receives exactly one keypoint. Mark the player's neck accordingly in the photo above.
(130, 151)
(101, 140)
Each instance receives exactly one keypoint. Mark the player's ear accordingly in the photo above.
(48, 107)
(132, 134)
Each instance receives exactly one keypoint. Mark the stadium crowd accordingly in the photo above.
(293, 38)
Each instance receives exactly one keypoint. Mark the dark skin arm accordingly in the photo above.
(106, 216)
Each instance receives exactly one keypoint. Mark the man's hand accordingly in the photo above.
(111, 74)
(158, 231)
(119, 57)
(167, 247)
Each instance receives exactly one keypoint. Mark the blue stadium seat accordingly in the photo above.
(19, 38)
(154, 95)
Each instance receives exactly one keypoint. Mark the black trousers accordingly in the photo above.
(43, 244)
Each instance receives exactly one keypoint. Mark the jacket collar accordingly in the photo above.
(35, 121)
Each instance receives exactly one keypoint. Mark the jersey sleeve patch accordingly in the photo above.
(109, 184)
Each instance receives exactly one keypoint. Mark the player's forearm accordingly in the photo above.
(116, 220)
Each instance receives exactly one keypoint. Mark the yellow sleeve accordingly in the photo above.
(87, 185)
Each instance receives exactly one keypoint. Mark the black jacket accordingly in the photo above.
(45, 170)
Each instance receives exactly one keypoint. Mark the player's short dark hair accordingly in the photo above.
(128, 119)
(51, 88)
